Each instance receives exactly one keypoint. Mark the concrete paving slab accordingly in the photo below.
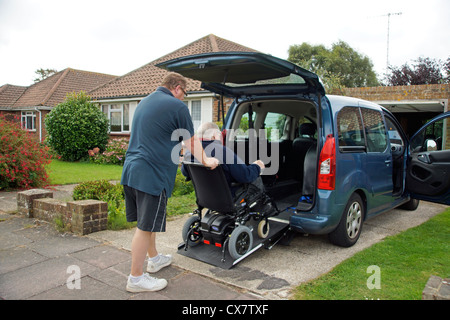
(102, 256)
(17, 258)
(62, 245)
(91, 289)
(32, 280)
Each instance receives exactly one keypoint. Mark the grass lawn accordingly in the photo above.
(62, 172)
(405, 263)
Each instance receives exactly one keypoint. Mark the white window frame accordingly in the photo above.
(24, 120)
(114, 108)
(190, 104)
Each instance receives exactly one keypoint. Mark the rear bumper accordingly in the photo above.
(311, 223)
(322, 219)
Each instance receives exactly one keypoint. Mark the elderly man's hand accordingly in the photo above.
(211, 163)
(260, 164)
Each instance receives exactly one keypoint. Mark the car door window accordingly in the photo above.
(375, 130)
(350, 130)
(434, 137)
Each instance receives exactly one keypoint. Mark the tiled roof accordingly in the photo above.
(53, 90)
(146, 79)
(9, 94)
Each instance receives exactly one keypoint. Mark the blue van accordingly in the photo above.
(331, 161)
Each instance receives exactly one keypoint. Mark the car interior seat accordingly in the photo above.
(300, 146)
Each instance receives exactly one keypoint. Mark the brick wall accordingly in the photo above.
(82, 217)
(398, 93)
(227, 102)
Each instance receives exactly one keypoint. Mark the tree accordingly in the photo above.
(447, 70)
(422, 71)
(339, 66)
(43, 74)
(76, 126)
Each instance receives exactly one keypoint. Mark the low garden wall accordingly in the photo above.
(81, 217)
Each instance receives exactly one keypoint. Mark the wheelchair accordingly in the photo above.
(226, 222)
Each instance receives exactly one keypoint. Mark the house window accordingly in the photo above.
(195, 109)
(28, 120)
(196, 113)
(118, 115)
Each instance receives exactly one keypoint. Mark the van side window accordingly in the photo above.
(375, 130)
(350, 132)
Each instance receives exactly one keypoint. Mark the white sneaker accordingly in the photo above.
(164, 261)
(146, 283)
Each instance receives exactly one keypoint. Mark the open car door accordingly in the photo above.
(428, 169)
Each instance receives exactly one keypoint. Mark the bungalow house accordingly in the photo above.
(120, 97)
(31, 104)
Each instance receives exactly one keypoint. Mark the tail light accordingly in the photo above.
(224, 136)
(327, 165)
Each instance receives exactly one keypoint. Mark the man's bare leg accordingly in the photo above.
(141, 243)
(152, 252)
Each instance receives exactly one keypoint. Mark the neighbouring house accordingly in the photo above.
(30, 105)
(120, 97)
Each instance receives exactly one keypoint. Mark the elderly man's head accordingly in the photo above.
(209, 131)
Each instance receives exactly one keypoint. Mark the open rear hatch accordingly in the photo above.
(237, 74)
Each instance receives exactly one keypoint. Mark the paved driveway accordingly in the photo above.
(273, 273)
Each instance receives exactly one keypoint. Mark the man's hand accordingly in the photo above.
(260, 164)
(211, 163)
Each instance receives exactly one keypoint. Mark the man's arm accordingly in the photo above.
(195, 147)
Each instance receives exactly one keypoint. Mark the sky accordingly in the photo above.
(117, 36)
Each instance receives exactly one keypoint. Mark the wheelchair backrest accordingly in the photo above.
(211, 188)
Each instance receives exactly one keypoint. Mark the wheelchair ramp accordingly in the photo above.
(213, 255)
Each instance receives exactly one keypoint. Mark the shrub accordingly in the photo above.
(75, 126)
(22, 157)
(182, 187)
(113, 194)
(114, 153)
(98, 190)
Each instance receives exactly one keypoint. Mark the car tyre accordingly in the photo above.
(349, 228)
(411, 205)
(241, 242)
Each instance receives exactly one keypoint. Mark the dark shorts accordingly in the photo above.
(148, 210)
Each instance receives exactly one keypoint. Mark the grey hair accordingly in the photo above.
(207, 130)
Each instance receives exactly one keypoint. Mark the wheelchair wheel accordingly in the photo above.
(241, 242)
(191, 230)
(263, 229)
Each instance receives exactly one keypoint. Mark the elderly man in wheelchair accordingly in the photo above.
(233, 194)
